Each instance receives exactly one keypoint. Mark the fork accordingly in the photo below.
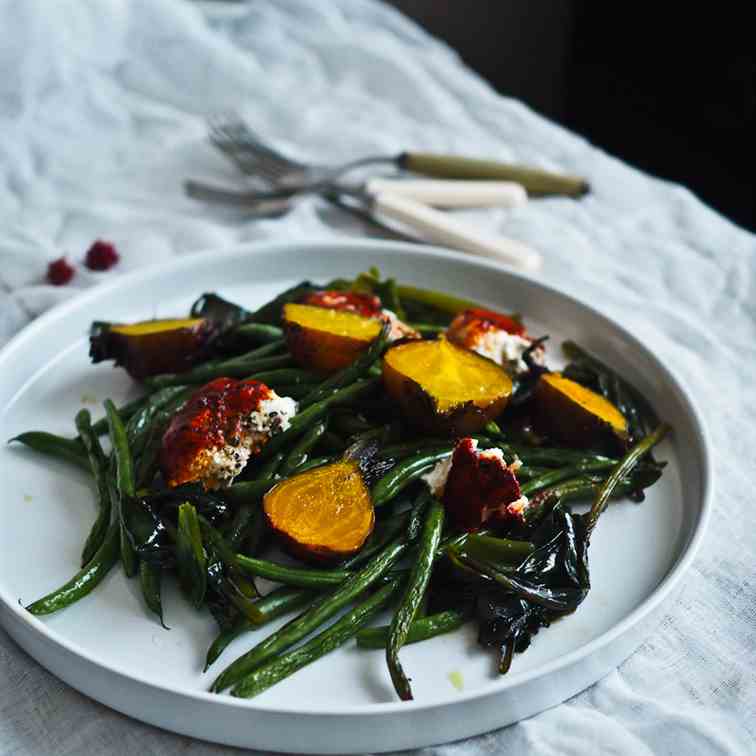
(253, 154)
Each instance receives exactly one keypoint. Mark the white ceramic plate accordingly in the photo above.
(107, 646)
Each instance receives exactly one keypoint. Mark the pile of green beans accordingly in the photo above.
(215, 545)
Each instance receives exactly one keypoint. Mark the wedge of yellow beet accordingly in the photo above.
(322, 514)
(443, 388)
(151, 346)
(573, 414)
(326, 340)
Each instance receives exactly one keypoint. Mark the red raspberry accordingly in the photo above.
(60, 272)
(101, 255)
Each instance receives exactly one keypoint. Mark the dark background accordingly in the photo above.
(670, 88)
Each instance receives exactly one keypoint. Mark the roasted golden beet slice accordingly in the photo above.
(327, 340)
(322, 514)
(151, 346)
(576, 415)
(443, 388)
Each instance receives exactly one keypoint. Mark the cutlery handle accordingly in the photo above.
(446, 230)
(441, 193)
(535, 180)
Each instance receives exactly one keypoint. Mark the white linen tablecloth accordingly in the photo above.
(102, 108)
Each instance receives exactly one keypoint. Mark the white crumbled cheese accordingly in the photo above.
(273, 415)
(498, 454)
(222, 464)
(505, 348)
(494, 453)
(518, 506)
(399, 329)
(436, 478)
(226, 462)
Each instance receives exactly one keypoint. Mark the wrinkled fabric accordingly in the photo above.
(102, 115)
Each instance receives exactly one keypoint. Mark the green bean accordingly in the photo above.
(123, 492)
(287, 377)
(313, 617)
(86, 580)
(255, 533)
(236, 368)
(244, 517)
(147, 464)
(270, 468)
(623, 467)
(277, 603)
(492, 429)
(377, 540)
(314, 462)
(563, 473)
(68, 449)
(301, 451)
(551, 457)
(145, 430)
(413, 595)
(350, 373)
(335, 636)
(242, 593)
(139, 425)
(444, 302)
(249, 490)
(128, 554)
(499, 550)
(126, 411)
(149, 580)
(122, 454)
(578, 488)
(308, 417)
(427, 329)
(404, 473)
(191, 561)
(267, 350)
(205, 368)
(527, 472)
(420, 630)
(98, 465)
(410, 448)
(259, 332)
(298, 577)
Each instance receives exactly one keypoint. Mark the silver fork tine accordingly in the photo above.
(238, 137)
(254, 156)
(251, 164)
(235, 138)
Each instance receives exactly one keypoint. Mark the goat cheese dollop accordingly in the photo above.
(220, 428)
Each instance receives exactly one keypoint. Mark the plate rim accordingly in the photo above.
(664, 589)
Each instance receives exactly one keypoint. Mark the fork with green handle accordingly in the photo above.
(254, 155)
